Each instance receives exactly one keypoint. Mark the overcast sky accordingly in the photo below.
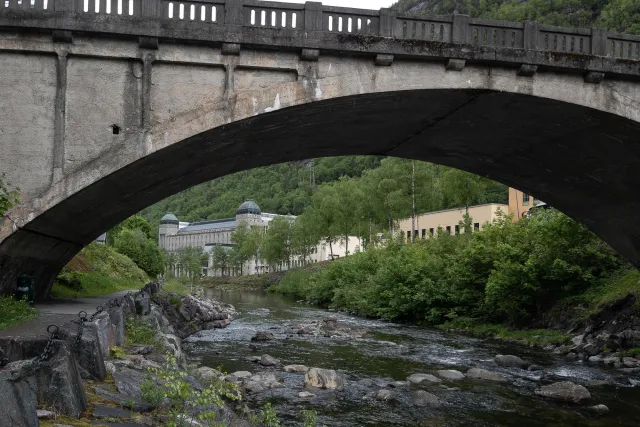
(361, 4)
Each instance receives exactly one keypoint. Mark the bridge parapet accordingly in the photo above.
(313, 17)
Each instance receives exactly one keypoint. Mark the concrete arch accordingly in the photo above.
(192, 114)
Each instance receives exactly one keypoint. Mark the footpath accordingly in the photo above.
(61, 365)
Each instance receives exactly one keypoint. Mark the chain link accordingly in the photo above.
(52, 330)
(82, 315)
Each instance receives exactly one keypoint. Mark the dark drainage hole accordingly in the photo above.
(115, 129)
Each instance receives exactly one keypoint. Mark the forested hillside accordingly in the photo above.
(615, 15)
(285, 189)
(384, 183)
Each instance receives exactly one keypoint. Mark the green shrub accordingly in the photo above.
(137, 332)
(107, 272)
(175, 301)
(169, 385)
(116, 352)
(510, 272)
(13, 311)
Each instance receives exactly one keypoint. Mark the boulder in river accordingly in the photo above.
(296, 368)
(423, 378)
(483, 374)
(450, 374)
(323, 378)
(423, 398)
(565, 391)
(263, 336)
(207, 374)
(305, 395)
(510, 361)
(534, 368)
(261, 382)
(267, 360)
(398, 384)
(238, 375)
(385, 395)
(598, 409)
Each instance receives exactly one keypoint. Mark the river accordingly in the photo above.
(390, 352)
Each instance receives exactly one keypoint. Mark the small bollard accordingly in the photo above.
(25, 289)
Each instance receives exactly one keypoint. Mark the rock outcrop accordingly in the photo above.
(483, 374)
(565, 391)
(510, 361)
(323, 378)
(423, 378)
(423, 398)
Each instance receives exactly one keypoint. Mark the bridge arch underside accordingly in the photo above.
(583, 161)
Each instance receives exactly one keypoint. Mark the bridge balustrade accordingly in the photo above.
(623, 46)
(38, 5)
(273, 15)
(417, 28)
(201, 11)
(313, 18)
(350, 21)
(497, 34)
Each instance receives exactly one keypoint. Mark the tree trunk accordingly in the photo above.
(413, 202)
(346, 244)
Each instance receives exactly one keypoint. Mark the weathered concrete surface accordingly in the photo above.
(19, 395)
(133, 125)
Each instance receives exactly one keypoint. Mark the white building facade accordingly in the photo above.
(174, 235)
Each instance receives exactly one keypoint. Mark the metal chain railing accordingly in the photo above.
(53, 330)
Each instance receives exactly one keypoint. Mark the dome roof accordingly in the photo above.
(249, 207)
(169, 219)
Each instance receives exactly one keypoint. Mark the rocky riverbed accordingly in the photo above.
(357, 372)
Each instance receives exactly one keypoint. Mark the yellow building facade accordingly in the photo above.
(520, 203)
(427, 224)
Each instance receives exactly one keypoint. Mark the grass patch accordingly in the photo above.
(617, 286)
(632, 352)
(176, 287)
(137, 332)
(92, 284)
(581, 307)
(525, 336)
(236, 282)
(98, 270)
(13, 312)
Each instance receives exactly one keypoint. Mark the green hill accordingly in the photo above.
(288, 189)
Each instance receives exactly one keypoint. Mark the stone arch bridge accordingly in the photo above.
(107, 106)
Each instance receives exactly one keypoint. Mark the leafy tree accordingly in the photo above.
(220, 259)
(304, 236)
(464, 188)
(324, 213)
(191, 260)
(144, 252)
(253, 244)
(348, 204)
(277, 242)
(9, 196)
(242, 252)
(622, 16)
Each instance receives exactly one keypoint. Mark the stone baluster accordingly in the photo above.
(312, 16)
(599, 39)
(460, 29)
(530, 37)
(388, 22)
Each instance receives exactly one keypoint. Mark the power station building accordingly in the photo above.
(174, 235)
